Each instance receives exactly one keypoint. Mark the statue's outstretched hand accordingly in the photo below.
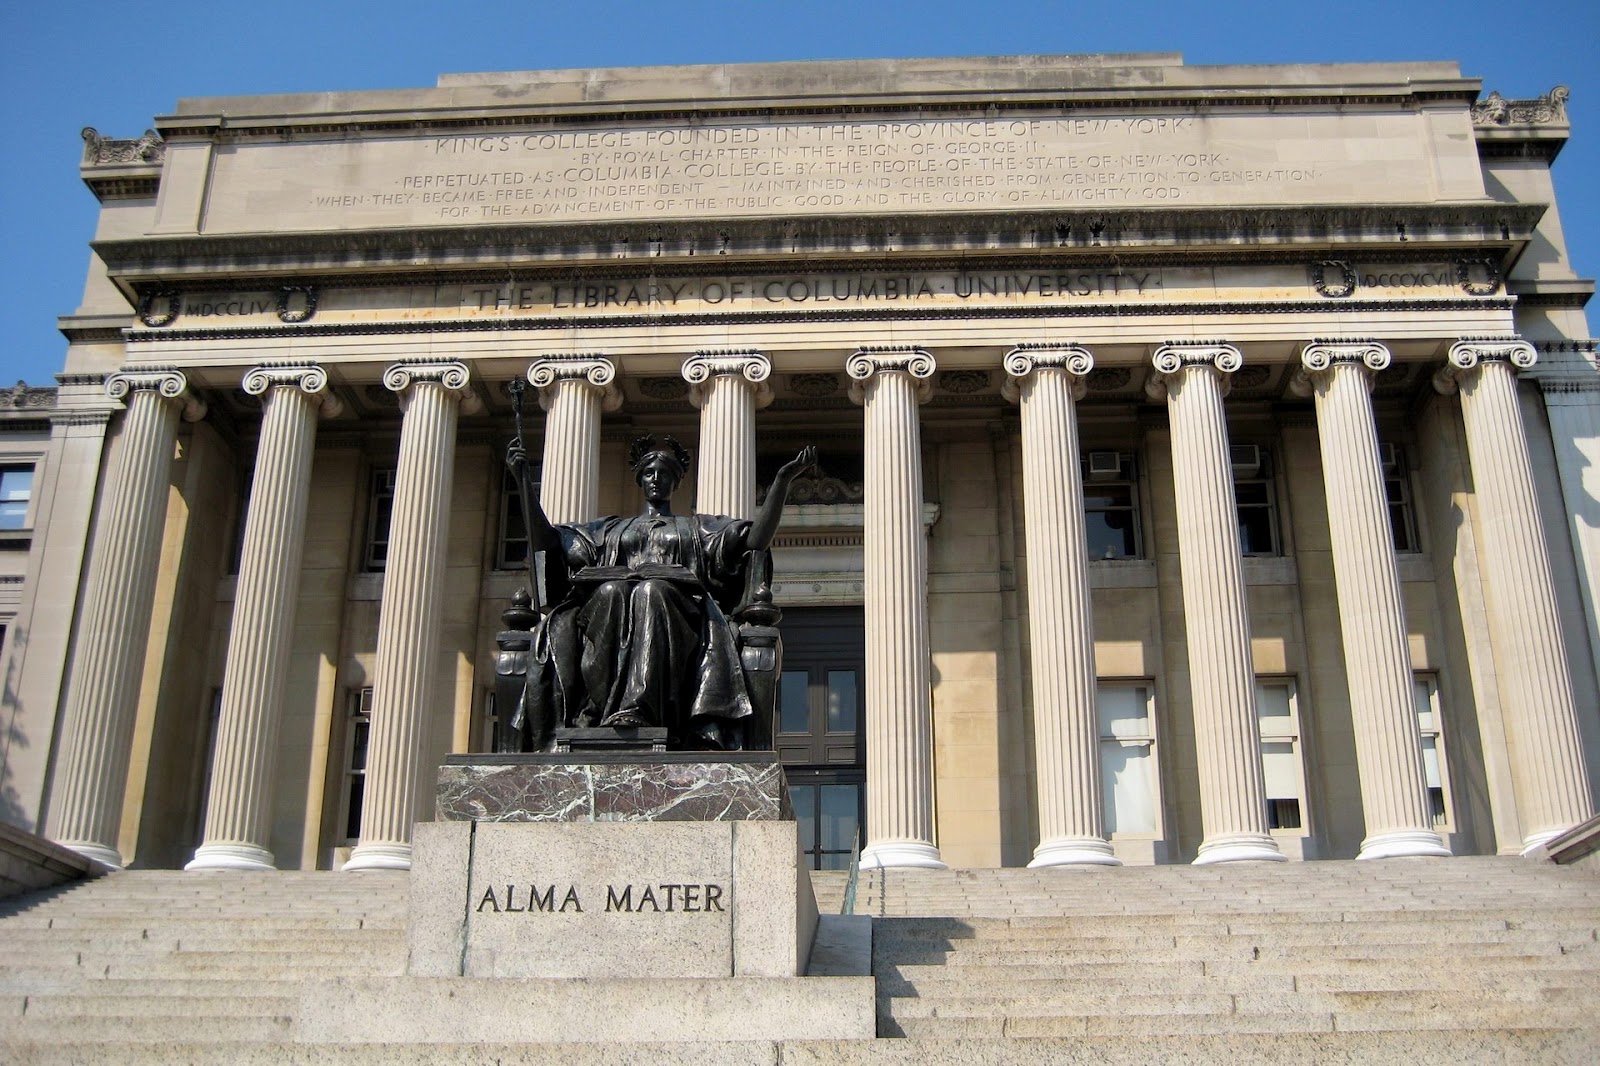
(806, 460)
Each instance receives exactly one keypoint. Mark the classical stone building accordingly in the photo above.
(1208, 453)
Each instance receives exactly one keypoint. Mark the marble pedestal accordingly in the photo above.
(619, 866)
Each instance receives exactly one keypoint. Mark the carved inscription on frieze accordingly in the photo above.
(819, 168)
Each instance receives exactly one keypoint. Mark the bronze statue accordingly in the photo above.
(639, 617)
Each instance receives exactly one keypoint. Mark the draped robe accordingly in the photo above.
(641, 634)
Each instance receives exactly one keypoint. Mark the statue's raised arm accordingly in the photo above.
(765, 527)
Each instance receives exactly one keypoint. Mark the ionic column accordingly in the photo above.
(1047, 382)
(1394, 788)
(408, 622)
(573, 390)
(728, 388)
(1552, 782)
(239, 812)
(1233, 799)
(91, 771)
(890, 383)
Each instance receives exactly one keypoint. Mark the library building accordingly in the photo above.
(1207, 457)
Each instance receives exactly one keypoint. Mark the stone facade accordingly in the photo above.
(1120, 371)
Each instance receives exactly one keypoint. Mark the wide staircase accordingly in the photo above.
(1421, 961)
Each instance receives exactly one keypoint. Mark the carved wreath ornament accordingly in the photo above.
(1333, 278)
(161, 297)
(286, 294)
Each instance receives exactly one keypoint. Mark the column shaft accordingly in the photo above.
(91, 772)
(1066, 738)
(900, 829)
(727, 387)
(1233, 804)
(1394, 788)
(239, 811)
(572, 390)
(1553, 791)
(409, 620)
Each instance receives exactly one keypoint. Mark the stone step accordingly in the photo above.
(1446, 937)
(1057, 1002)
(148, 919)
(296, 967)
(967, 928)
(180, 938)
(1444, 1048)
(929, 982)
(1241, 950)
(76, 1005)
(119, 1031)
(1156, 1024)
(74, 983)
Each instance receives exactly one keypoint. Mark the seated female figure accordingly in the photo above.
(635, 630)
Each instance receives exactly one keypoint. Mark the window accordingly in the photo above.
(1256, 500)
(1277, 711)
(1111, 506)
(512, 550)
(1435, 767)
(16, 491)
(380, 509)
(819, 714)
(1128, 792)
(358, 728)
(1397, 492)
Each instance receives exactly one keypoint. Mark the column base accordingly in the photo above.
(1402, 843)
(379, 857)
(908, 853)
(1530, 843)
(1074, 851)
(1239, 847)
(98, 852)
(231, 857)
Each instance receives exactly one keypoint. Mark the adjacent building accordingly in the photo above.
(1208, 454)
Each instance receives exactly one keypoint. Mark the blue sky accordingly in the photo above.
(115, 66)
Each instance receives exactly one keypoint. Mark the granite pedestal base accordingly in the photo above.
(622, 866)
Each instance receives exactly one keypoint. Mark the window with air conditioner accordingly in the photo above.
(1255, 497)
(1111, 506)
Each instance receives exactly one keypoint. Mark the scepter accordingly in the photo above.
(516, 387)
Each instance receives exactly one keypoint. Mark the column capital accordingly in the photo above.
(1175, 357)
(1318, 359)
(866, 362)
(168, 381)
(1026, 359)
(452, 374)
(1470, 353)
(597, 371)
(749, 364)
(307, 377)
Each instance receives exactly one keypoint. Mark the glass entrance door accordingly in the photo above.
(818, 732)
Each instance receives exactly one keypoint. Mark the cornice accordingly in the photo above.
(1097, 260)
(494, 109)
(1092, 232)
(858, 314)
